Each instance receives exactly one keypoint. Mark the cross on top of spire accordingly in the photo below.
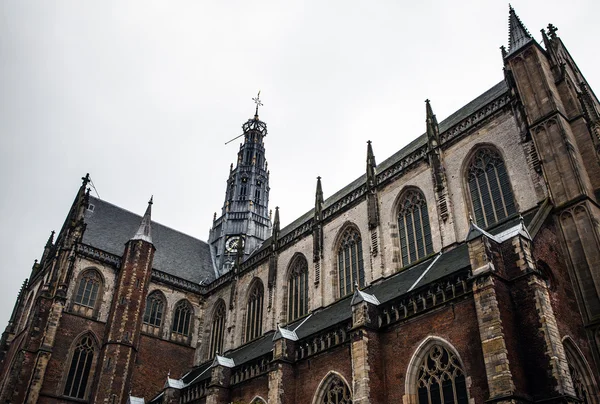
(258, 104)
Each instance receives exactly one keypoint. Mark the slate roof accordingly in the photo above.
(109, 227)
(485, 98)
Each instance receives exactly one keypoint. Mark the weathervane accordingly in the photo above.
(257, 102)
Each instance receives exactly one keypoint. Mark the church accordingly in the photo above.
(463, 269)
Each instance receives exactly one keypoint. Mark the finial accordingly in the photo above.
(214, 216)
(86, 179)
(552, 31)
(355, 285)
(150, 202)
(258, 104)
(470, 219)
(503, 50)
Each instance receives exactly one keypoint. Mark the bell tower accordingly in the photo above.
(245, 215)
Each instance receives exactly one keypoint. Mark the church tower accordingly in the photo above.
(244, 222)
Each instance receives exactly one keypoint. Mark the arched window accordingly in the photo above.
(254, 310)
(583, 382)
(154, 313)
(440, 377)
(298, 288)
(86, 293)
(413, 227)
(217, 330)
(350, 262)
(182, 318)
(81, 365)
(489, 187)
(333, 390)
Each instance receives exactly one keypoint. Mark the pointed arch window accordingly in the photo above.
(218, 330)
(80, 368)
(489, 187)
(441, 378)
(413, 227)
(154, 313)
(350, 262)
(254, 310)
(584, 385)
(87, 291)
(298, 289)
(334, 391)
(182, 319)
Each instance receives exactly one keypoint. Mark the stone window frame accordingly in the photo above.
(91, 311)
(578, 363)
(148, 327)
(176, 334)
(217, 329)
(343, 233)
(325, 385)
(420, 353)
(69, 364)
(467, 166)
(253, 316)
(426, 229)
(258, 400)
(293, 269)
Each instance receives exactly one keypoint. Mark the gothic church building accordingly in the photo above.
(463, 269)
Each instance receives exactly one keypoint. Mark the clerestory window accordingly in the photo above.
(413, 227)
(350, 262)
(298, 288)
(254, 310)
(489, 187)
(218, 330)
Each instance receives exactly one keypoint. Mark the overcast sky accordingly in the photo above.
(143, 96)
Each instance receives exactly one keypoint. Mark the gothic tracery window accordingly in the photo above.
(79, 370)
(440, 378)
(350, 262)
(489, 187)
(182, 317)
(87, 290)
(254, 312)
(298, 288)
(154, 312)
(218, 330)
(413, 228)
(336, 392)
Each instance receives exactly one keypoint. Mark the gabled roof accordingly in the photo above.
(109, 227)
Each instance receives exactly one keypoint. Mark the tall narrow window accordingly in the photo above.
(154, 313)
(489, 188)
(254, 312)
(182, 318)
(217, 330)
(413, 227)
(350, 262)
(87, 290)
(79, 371)
(440, 378)
(298, 288)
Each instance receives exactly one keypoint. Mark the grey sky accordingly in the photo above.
(142, 95)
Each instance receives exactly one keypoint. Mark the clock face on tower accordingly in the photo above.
(231, 244)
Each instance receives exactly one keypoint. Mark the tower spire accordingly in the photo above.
(144, 232)
(518, 35)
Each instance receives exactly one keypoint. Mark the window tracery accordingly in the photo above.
(254, 309)
(298, 289)
(413, 228)
(489, 187)
(336, 392)
(441, 378)
(80, 368)
(154, 313)
(86, 295)
(217, 330)
(182, 317)
(350, 262)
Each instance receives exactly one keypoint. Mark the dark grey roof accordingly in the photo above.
(110, 227)
(444, 125)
